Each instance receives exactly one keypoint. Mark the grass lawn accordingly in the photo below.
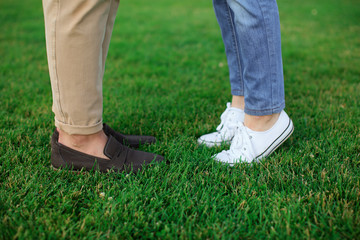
(166, 75)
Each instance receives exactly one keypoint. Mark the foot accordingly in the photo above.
(225, 132)
(92, 144)
(248, 145)
(117, 157)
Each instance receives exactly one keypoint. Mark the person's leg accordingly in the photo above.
(78, 35)
(257, 27)
(75, 32)
(234, 112)
(266, 100)
(225, 18)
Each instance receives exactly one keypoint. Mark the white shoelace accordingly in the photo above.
(241, 146)
(227, 121)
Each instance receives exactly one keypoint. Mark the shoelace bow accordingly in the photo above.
(241, 144)
(226, 121)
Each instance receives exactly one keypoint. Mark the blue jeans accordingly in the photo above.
(251, 34)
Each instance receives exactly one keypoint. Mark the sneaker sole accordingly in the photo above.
(278, 141)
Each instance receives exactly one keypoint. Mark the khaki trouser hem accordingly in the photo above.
(81, 130)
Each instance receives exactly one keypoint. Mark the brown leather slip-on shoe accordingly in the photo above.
(121, 157)
(133, 141)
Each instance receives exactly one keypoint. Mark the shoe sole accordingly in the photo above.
(278, 141)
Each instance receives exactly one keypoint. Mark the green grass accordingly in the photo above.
(163, 78)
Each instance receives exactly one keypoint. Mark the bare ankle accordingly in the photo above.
(238, 102)
(76, 140)
(261, 123)
(92, 144)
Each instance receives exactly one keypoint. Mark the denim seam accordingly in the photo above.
(270, 51)
(235, 45)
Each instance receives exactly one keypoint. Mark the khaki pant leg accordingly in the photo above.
(77, 33)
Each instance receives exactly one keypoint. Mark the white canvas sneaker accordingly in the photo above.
(225, 132)
(248, 145)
